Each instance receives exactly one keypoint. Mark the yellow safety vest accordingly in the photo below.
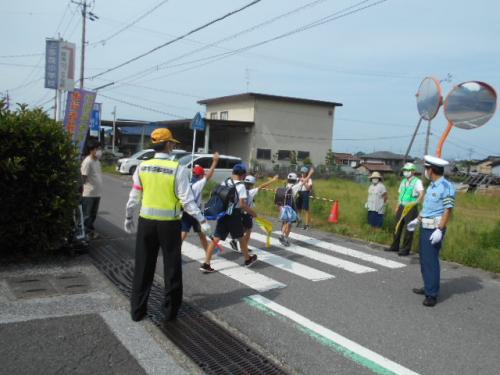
(159, 200)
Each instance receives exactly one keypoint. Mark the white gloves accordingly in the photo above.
(436, 236)
(129, 225)
(412, 225)
(366, 205)
(206, 229)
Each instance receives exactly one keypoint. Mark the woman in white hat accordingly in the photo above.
(377, 199)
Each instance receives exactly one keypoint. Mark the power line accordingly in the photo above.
(142, 107)
(211, 59)
(119, 31)
(21, 65)
(21, 55)
(233, 36)
(176, 39)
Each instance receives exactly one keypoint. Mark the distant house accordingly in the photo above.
(369, 168)
(488, 166)
(346, 159)
(395, 161)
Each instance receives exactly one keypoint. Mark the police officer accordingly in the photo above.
(439, 201)
(161, 186)
(411, 192)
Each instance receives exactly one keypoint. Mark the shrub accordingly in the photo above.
(39, 183)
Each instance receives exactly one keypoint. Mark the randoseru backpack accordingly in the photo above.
(221, 200)
(284, 196)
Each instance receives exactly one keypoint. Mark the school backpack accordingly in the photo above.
(284, 196)
(221, 200)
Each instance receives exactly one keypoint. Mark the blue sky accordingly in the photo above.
(371, 61)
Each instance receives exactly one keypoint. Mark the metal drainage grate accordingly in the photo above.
(210, 346)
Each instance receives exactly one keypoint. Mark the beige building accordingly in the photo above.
(267, 128)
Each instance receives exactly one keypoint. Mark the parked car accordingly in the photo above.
(224, 167)
(129, 165)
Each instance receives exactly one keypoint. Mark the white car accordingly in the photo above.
(223, 170)
(129, 165)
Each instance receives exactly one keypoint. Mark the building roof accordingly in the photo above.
(253, 95)
(385, 155)
(344, 156)
(377, 167)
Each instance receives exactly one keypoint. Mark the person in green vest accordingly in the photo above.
(162, 190)
(411, 192)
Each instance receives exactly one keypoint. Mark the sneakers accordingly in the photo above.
(287, 242)
(234, 245)
(205, 268)
(251, 261)
(305, 227)
(283, 240)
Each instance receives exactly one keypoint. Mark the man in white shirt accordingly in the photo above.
(231, 223)
(92, 186)
(198, 182)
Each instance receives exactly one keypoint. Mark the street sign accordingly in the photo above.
(95, 120)
(198, 122)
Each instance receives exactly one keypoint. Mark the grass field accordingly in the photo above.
(473, 236)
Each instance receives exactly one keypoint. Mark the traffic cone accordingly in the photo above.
(334, 213)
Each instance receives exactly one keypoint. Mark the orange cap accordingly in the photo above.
(162, 135)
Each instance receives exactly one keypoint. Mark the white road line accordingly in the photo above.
(341, 344)
(347, 251)
(320, 257)
(233, 270)
(288, 265)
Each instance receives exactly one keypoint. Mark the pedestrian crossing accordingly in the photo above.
(261, 283)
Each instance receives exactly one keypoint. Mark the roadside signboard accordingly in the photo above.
(95, 120)
(79, 107)
(59, 65)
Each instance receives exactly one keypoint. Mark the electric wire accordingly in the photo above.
(122, 29)
(177, 39)
(211, 59)
(142, 106)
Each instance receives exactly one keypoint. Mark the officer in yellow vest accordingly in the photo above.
(411, 193)
(161, 187)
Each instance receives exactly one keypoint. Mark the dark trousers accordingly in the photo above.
(408, 236)
(151, 235)
(429, 262)
(90, 206)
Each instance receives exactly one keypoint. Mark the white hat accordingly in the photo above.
(249, 179)
(292, 176)
(430, 160)
(375, 175)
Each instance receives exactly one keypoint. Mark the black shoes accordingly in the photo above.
(390, 248)
(403, 253)
(139, 317)
(429, 301)
(205, 268)
(251, 261)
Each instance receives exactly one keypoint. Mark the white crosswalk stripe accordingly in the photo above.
(233, 270)
(346, 251)
(288, 265)
(320, 257)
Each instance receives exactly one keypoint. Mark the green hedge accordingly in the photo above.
(39, 181)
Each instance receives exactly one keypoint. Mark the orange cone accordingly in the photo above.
(334, 213)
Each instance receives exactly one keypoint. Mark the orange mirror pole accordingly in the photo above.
(443, 139)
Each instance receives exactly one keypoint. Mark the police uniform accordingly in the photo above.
(440, 195)
(161, 186)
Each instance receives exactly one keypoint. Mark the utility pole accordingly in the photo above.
(91, 17)
(114, 130)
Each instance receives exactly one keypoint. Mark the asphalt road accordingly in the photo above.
(328, 305)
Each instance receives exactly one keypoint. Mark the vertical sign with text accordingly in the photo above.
(77, 117)
(95, 120)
